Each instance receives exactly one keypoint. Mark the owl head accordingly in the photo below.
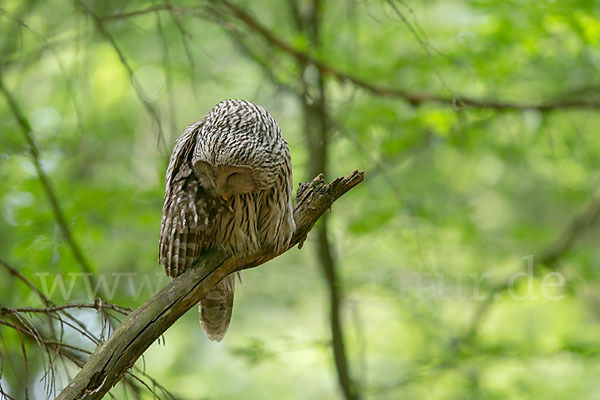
(239, 149)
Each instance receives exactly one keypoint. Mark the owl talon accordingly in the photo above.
(301, 241)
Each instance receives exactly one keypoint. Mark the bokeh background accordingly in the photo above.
(476, 123)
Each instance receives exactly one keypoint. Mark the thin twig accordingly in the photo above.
(578, 226)
(549, 257)
(187, 49)
(76, 323)
(46, 184)
(15, 272)
(166, 58)
(165, 392)
(74, 354)
(459, 102)
(415, 98)
(96, 306)
(250, 50)
(139, 91)
(25, 362)
(152, 9)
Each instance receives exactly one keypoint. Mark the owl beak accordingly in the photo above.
(224, 196)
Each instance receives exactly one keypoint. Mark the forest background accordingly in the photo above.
(464, 266)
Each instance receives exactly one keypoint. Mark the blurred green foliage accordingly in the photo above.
(453, 195)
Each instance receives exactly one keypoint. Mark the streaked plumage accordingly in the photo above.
(228, 186)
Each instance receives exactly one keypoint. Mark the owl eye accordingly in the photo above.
(240, 182)
(234, 175)
(237, 179)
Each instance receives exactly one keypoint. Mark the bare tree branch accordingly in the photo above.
(110, 361)
(415, 98)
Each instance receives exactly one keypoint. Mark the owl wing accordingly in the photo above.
(187, 211)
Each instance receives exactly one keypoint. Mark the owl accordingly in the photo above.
(228, 186)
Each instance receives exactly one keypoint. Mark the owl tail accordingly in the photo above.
(215, 310)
